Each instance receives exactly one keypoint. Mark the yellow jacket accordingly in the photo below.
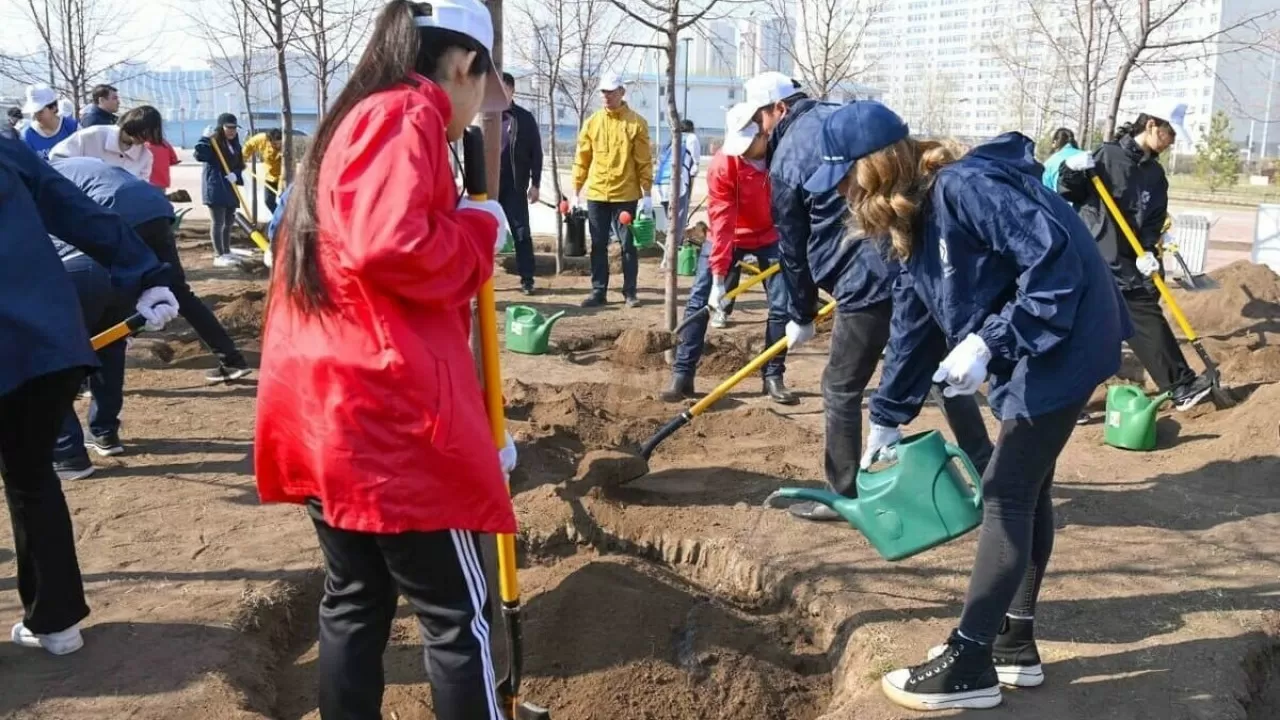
(614, 160)
(272, 158)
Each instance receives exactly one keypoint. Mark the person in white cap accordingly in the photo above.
(369, 409)
(613, 174)
(1130, 168)
(47, 127)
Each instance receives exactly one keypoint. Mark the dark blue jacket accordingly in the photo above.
(811, 231)
(521, 163)
(1000, 255)
(277, 217)
(135, 201)
(94, 115)
(214, 188)
(41, 327)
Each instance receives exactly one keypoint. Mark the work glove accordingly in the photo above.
(798, 334)
(716, 302)
(507, 457)
(231, 178)
(1080, 162)
(879, 444)
(646, 205)
(1148, 265)
(158, 306)
(494, 210)
(267, 259)
(965, 368)
(579, 198)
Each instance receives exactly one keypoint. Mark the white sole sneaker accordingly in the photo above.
(63, 642)
(981, 699)
(1187, 403)
(1011, 675)
(243, 252)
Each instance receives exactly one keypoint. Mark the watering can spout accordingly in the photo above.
(542, 333)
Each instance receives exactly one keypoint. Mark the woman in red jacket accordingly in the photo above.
(369, 409)
(738, 202)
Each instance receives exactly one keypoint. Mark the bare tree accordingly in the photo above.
(229, 32)
(938, 105)
(593, 28)
(331, 33)
(825, 39)
(1081, 36)
(278, 20)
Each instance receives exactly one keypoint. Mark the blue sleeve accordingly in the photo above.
(273, 227)
(97, 232)
(1043, 307)
(204, 153)
(916, 346)
(791, 216)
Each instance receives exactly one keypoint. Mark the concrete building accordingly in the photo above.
(714, 50)
(763, 45)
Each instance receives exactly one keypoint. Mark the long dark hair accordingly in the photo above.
(1062, 137)
(396, 48)
(143, 123)
(1139, 125)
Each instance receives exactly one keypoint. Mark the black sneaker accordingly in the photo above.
(70, 470)
(813, 511)
(226, 373)
(593, 301)
(1084, 418)
(633, 301)
(106, 445)
(526, 288)
(1188, 395)
(1016, 657)
(961, 676)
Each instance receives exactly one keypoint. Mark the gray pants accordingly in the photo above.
(224, 218)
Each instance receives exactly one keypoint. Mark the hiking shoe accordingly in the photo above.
(718, 320)
(963, 675)
(106, 445)
(633, 301)
(1188, 395)
(226, 261)
(226, 373)
(1014, 653)
(593, 301)
(814, 511)
(63, 642)
(778, 392)
(680, 389)
(70, 470)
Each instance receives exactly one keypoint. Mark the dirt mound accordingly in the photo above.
(1244, 362)
(637, 348)
(1243, 432)
(243, 315)
(722, 354)
(1246, 301)
(594, 415)
(608, 468)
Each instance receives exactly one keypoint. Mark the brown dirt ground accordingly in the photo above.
(676, 596)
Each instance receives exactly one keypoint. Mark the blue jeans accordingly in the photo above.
(602, 220)
(689, 352)
(100, 308)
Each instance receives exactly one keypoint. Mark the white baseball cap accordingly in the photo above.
(38, 97)
(1172, 111)
(739, 130)
(470, 18)
(609, 82)
(769, 88)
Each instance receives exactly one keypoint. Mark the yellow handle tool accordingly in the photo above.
(742, 287)
(119, 331)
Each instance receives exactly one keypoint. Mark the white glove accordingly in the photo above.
(964, 368)
(1080, 162)
(495, 211)
(158, 306)
(579, 199)
(798, 334)
(879, 442)
(507, 456)
(231, 178)
(1148, 265)
(716, 302)
(646, 205)
(267, 258)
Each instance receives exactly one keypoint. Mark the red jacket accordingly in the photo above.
(373, 406)
(738, 201)
(163, 155)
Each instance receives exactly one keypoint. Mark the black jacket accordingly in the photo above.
(94, 115)
(522, 162)
(1138, 184)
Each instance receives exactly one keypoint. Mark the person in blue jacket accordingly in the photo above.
(220, 175)
(1062, 146)
(816, 254)
(44, 354)
(1012, 278)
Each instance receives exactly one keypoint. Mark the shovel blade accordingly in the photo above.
(529, 711)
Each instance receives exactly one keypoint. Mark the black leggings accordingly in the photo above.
(1016, 538)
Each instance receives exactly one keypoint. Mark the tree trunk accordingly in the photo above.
(555, 182)
(1122, 77)
(675, 233)
(286, 107)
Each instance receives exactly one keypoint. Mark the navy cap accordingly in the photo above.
(853, 132)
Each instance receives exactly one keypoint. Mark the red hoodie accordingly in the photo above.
(738, 206)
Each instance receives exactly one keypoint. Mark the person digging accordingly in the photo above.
(741, 224)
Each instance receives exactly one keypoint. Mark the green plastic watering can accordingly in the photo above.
(642, 229)
(1131, 417)
(528, 331)
(687, 263)
(918, 502)
(508, 245)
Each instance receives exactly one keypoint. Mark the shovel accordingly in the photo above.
(122, 330)
(1190, 281)
(473, 180)
(756, 279)
(258, 238)
(1220, 397)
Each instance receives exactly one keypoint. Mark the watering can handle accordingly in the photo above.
(957, 453)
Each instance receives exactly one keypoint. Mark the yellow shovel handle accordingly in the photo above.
(756, 279)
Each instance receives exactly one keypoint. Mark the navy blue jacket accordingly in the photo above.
(94, 115)
(811, 230)
(521, 163)
(41, 328)
(135, 201)
(1000, 255)
(214, 188)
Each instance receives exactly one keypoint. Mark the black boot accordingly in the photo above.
(1015, 654)
(777, 390)
(680, 389)
(963, 675)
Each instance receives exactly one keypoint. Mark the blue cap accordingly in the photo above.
(853, 132)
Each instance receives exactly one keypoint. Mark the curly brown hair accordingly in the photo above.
(887, 187)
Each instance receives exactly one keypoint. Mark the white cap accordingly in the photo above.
(470, 18)
(38, 97)
(1172, 111)
(769, 88)
(739, 130)
(609, 82)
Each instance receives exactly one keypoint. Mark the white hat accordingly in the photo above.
(739, 130)
(38, 97)
(1172, 111)
(610, 81)
(470, 18)
(769, 88)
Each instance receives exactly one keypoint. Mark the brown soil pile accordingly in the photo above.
(1242, 363)
(608, 468)
(591, 415)
(642, 349)
(1242, 433)
(723, 354)
(1246, 301)
(243, 316)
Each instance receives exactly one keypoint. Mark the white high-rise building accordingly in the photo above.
(715, 50)
(763, 44)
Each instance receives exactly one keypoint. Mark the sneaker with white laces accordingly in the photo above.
(961, 676)
(1016, 657)
(225, 261)
(63, 642)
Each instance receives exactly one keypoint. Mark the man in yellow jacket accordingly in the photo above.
(266, 145)
(614, 170)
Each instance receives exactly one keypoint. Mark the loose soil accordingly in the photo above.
(675, 595)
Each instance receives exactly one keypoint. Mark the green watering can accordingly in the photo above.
(528, 331)
(642, 227)
(687, 263)
(916, 503)
(1131, 417)
(508, 246)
